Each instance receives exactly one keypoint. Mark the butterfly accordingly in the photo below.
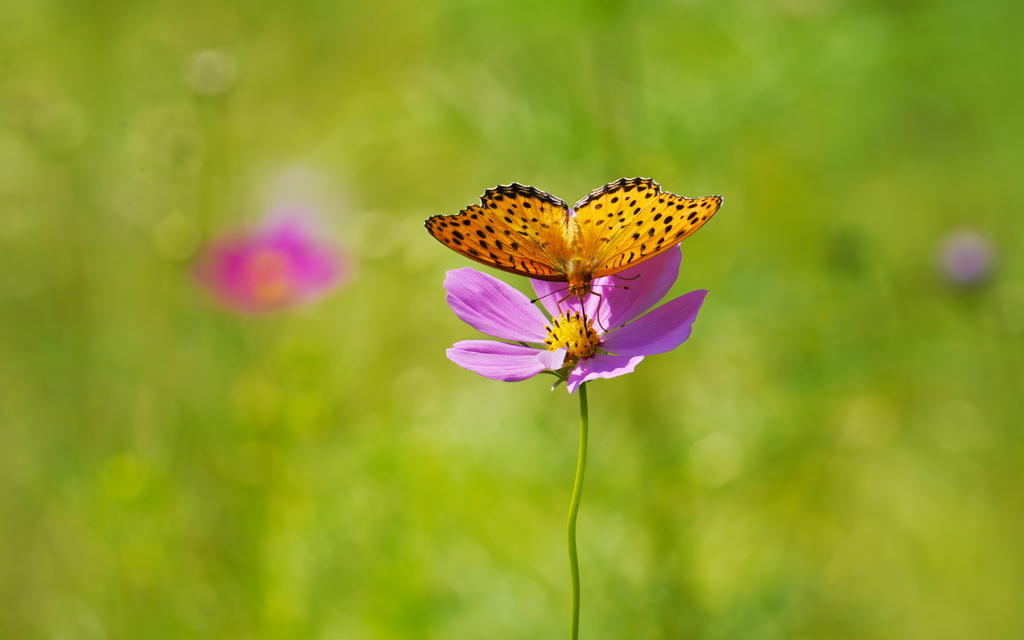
(523, 230)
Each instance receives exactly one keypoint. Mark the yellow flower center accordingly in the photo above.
(271, 276)
(574, 333)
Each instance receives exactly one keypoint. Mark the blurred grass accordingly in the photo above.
(835, 454)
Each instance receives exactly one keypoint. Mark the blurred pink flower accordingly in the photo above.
(278, 265)
(966, 257)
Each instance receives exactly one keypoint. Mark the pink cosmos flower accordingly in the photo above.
(609, 340)
(277, 265)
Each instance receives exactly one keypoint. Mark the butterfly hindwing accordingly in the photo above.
(628, 221)
(515, 228)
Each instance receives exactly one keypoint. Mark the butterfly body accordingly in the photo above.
(522, 230)
(578, 277)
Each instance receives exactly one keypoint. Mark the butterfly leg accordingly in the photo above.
(597, 311)
(567, 296)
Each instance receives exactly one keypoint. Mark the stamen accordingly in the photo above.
(575, 333)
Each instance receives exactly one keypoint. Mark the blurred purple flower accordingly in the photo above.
(277, 265)
(966, 257)
(605, 342)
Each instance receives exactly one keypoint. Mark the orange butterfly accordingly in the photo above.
(525, 231)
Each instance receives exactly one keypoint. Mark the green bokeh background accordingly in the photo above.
(835, 454)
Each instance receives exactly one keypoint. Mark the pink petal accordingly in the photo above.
(314, 266)
(318, 269)
(285, 233)
(638, 288)
(600, 366)
(553, 360)
(493, 307)
(498, 360)
(659, 331)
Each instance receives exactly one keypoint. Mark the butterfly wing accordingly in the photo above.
(515, 228)
(629, 221)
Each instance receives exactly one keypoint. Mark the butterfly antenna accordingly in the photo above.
(536, 300)
(615, 275)
(611, 286)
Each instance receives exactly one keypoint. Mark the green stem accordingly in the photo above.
(574, 507)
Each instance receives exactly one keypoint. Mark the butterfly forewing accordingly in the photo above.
(515, 228)
(629, 221)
